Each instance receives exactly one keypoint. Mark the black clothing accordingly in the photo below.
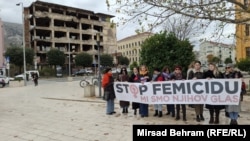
(135, 79)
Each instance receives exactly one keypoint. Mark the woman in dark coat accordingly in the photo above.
(123, 77)
(135, 78)
(213, 73)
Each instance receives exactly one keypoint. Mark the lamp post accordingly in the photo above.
(69, 62)
(99, 66)
(24, 58)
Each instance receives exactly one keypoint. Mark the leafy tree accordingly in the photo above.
(16, 56)
(134, 64)
(215, 60)
(228, 60)
(84, 59)
(244, 64)
(106, 60)
(166, 49)
(123, 60)
(210, 58)
(55, 57)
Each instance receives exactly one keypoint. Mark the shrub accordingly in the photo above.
(47, 72)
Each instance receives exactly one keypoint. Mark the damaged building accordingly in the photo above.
(68, 29)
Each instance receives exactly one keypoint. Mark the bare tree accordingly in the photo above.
(153, 13)
(183, 27)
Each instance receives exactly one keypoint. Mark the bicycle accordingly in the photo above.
(84, 82)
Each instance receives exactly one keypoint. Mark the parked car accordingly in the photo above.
(2, 82)
(6, 79)
(59, 71)
(89, 71)
(81, 72)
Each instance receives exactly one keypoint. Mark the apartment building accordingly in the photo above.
(242, 34)
(67, 29)
(219, 50)
(131, 46)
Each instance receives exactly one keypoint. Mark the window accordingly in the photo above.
(247, 52)
(246, 3)
(247, 30)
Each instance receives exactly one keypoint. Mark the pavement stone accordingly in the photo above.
(58, 111)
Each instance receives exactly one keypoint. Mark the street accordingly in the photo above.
(56, 110)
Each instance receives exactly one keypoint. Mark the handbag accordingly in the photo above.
(106, 95)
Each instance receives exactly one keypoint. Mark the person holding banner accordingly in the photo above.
(108, 86)
(213, 73)
(123, 77)
(232, 110)
(135, 78)
(177, 75)
(144, 77)
(197, 73)
(166, 73)
(157, 76)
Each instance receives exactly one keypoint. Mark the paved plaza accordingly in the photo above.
(58, 111)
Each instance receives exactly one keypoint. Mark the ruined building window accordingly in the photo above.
(247, 52)
(247, 29)
(246, 3)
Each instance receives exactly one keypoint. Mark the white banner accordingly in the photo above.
(199, 91)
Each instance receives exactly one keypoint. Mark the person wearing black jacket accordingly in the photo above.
(213, 73)
(197, 73)
(135, 78)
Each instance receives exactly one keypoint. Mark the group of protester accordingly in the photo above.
(195, 71)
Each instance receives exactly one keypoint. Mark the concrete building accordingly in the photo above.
(219, 50)
(131, 46)
(242, 34)
(68, 29)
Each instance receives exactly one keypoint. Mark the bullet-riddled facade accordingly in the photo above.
(68, 29)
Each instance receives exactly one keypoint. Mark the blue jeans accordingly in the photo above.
(233, 115)
(110, 106)
(158, 107)
(144, 109)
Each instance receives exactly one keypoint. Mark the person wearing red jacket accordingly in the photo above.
(108, 86)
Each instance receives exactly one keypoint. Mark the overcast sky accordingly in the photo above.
(9, 12)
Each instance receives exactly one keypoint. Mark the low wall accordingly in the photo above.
(16, 83)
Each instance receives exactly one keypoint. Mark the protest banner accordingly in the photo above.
(201, 91)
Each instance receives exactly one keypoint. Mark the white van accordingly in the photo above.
(29, 72)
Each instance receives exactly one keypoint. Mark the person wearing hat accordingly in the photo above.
(177, 75)
(108, 86)
(157, 76)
